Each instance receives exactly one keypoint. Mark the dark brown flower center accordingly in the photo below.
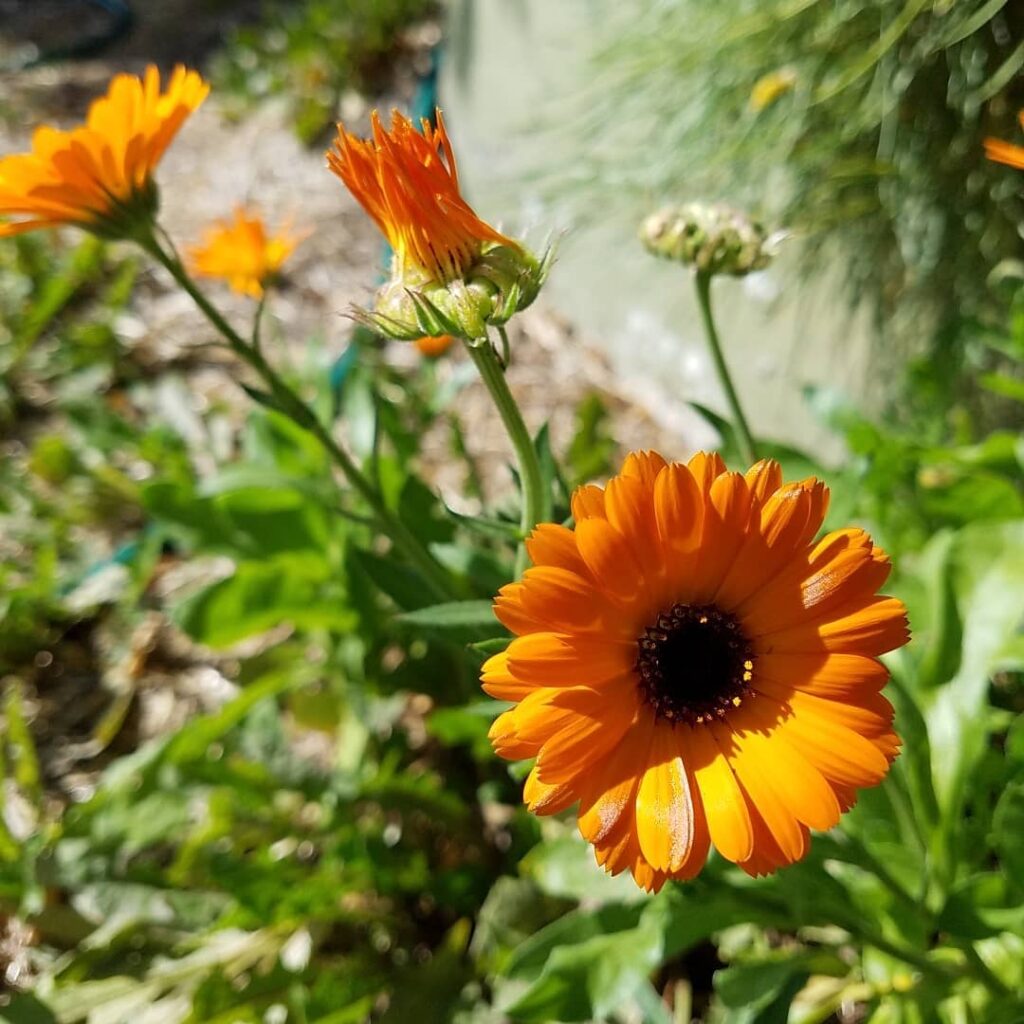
(694, 664)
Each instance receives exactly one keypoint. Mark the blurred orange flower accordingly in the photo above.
(408, 183)
(241, 252)
(693, 669)
(432, 348)
(1005, 152)
(99, 175)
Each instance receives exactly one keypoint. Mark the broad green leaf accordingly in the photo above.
(595, 976)
(988, 561)
(761, 991)
(262, 595)
(981, 906)
(1008, 832)
(462, 621)
(565, 867)
(467, 726)
(393, 578)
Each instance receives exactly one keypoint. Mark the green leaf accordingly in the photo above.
(596, 975)
(565, 867)
(467, 726)
(403, 585)
(1008, 831)
(761, 991)
(262, 595)
(980, 906)
(988, 560)
(1003, 384)
(460, 621)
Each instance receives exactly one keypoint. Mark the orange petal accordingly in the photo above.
(496, 680)
(726, 518)
(767, 856)
(542, 798)
(840, 754)
(764, 478)
(550, 659)
(550, 544)
(705, 468)
(832, 676)
(587, 503)
(610, 558)
(610, 791)
(586, 739)
(751, 762)
(645, 466)
(869, 627)
(678, 508)
(664, 805)
(724, 804)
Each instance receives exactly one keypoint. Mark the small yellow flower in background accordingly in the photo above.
(99, 175)
(1005, 152)
(242, 252)
(452, 273)
(771, 87)
(434, 347)
(692, 668)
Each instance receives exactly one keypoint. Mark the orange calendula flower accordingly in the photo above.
(692, 668)
(452, 273)
(1005, 152)
(99, 175)
(434, 348)
(241, 252)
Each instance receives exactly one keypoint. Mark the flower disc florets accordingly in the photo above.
(451, 273)
(714, 239)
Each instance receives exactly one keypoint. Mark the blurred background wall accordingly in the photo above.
(513, 78)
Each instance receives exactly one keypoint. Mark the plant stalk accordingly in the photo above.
(289, 402)
(536, 504)
(743, 435)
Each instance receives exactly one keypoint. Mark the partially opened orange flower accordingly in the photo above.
(99, 175)
(452, 272)
(242, 252)
(1005, 152)
(692, 668)
(433, 348)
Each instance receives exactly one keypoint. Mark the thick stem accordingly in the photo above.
(745, 438)
(296, 409)
(536, 503)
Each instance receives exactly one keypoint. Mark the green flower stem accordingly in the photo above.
(536, 503)
(746, 440)
(296, 409)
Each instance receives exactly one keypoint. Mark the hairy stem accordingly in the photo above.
(745, 438)
(536, 503)
(293, 406)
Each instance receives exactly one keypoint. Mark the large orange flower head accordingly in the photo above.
(452, 273)
(691, 667)
(1006, 152)
(100, 174)
(242, 252)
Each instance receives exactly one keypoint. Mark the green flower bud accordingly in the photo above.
(712, 238)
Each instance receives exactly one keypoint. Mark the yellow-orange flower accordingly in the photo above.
(692, 668)
(99, 175)
(1005, 152)
(409, 184)
(452, 273)
(242, 252)
(433, 348)
(771, 87)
